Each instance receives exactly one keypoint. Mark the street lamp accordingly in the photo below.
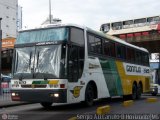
(0, 55)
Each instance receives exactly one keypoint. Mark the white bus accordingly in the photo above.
(132, 27)
(70, 63)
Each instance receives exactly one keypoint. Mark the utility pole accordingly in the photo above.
(0, 56)
(50, 11)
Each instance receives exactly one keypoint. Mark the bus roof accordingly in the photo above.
(46, 26)
(91, 30)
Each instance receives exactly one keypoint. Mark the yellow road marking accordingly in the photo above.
(128, 103)
(103, 110)
(152, 99)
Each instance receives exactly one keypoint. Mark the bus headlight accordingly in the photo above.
(13, 94)
(56, 95)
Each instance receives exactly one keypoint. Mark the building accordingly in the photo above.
(8, 13)
(11, 15)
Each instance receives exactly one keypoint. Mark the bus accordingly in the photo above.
(137, 27)
(142, 32)
(71, 63)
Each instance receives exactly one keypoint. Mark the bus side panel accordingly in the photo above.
(92, 72)
(127, 79)
(95, 73)
(112, 77)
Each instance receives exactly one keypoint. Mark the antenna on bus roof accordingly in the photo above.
(50, 12)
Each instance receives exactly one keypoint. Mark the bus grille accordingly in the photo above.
(34, 86)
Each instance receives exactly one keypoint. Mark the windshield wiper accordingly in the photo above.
(17, 63)
(30, 60)
(37, 60)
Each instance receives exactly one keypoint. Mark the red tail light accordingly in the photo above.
(62, 85)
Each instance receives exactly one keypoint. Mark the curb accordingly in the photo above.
(151, 100)
(128, 103)
(14, 104)
(73, 118)
(103, 110)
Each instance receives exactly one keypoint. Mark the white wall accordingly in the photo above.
(8, 12)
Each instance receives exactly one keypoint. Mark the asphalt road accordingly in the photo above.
(64, 112)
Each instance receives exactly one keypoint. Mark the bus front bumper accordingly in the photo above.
(54, 96)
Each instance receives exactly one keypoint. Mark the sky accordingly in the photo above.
(90, 13)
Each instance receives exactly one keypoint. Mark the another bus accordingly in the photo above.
(134, 26)
(140, 32)
(70, 63)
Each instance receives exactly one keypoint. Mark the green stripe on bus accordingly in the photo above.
(40, 82)
(112, 77)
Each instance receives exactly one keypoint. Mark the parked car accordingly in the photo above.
(5, 83)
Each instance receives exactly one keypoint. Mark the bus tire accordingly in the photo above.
(139, 91)
(46, 104)
(89, 95)
(134, 92)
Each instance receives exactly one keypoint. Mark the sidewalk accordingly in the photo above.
(5, 101)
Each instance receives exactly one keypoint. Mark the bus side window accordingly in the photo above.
(112, 49)
(98, 45)
(130, 55)
(121, 51)
(106, 47)
(94, 44)
(138, 57)
(91, 43)
(145, 60)
(109, 48)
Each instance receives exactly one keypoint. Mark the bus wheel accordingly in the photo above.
(139, 91)
(134, 92)
(89, 95)
(46, 104)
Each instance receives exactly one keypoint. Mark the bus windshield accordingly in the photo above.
(42, 35)
(41, 62)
